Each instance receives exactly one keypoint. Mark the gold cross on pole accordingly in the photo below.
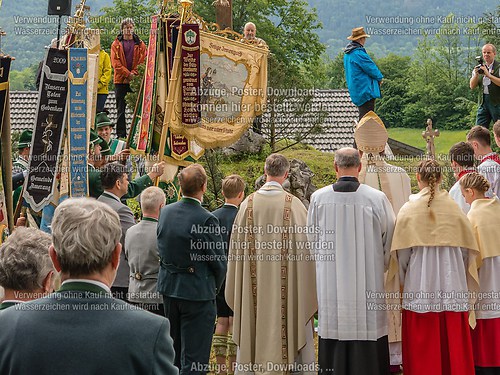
(429, 134)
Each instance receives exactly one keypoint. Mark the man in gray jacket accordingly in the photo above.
(141, 249)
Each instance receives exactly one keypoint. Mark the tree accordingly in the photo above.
(394, 89)
(489, 28)
(439, 81)
(109, 19)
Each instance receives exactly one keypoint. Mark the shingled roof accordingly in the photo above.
(23, 109)
(331, 111)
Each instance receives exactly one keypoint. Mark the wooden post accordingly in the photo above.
(224, 14)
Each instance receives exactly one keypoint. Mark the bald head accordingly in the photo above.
(347, 162)
(250, 31)
(193, 180)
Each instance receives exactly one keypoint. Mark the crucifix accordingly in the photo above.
(429, 134)
(224, 13)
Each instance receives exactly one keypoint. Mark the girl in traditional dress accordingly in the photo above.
(433, 257)
(484, 216)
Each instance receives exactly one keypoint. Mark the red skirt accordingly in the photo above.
(486, 343)
(437, 343)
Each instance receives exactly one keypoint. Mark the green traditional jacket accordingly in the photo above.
(135, 187)
(494, 90)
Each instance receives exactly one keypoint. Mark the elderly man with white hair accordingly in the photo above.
(141, 249)
(82, 329)
(26, 271)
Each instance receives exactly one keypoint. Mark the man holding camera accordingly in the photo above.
(486, 75)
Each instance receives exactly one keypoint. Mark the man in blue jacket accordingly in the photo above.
(362, 75)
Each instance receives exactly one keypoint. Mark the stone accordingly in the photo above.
(249, 143)
(299, 181)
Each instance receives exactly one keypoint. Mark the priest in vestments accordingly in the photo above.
(270, 282)
(371, 139)
(484, 216)
(433, 256)
(351, 227)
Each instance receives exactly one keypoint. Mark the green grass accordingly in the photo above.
(413, 137)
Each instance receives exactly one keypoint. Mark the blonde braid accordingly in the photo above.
(432, 187)
(475, 181)
(430, 172)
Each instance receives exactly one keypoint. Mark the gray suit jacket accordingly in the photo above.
(141, 248)
(83, 331)
(126, 220)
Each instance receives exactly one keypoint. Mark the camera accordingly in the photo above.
(480, 63)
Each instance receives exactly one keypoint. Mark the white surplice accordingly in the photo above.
(351, 240)
(490, 169)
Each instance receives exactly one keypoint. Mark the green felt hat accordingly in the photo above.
(94, 138)
(105, 150)
(102, 119)
(25, 139)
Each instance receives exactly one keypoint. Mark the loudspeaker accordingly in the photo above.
(59, 8)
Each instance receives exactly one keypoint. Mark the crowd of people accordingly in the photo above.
(395, 280)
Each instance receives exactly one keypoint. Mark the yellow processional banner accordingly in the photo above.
(232, 90)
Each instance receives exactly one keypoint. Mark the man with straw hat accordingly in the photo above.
(362, 75)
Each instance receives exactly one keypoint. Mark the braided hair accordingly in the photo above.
(475, 181)
(430, 172)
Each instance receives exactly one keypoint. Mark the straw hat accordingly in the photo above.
(371, 134)
(358, 33)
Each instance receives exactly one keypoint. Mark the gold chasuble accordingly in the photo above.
(416, 226)
(270, 283)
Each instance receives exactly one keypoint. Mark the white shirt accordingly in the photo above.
(490, 169)
(350, 240)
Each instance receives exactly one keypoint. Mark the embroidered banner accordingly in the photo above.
(50, 120)
(178, 149)
(149, 97)
(190, 68)
(78, 133)
(233, 91)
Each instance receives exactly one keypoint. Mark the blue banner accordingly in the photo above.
(78, 131)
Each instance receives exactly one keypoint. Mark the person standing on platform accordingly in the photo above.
(484, 216)
(104, 78)
(233, 190)
(128, 51)
(433, 258)
(362, 75)
(351, 226)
